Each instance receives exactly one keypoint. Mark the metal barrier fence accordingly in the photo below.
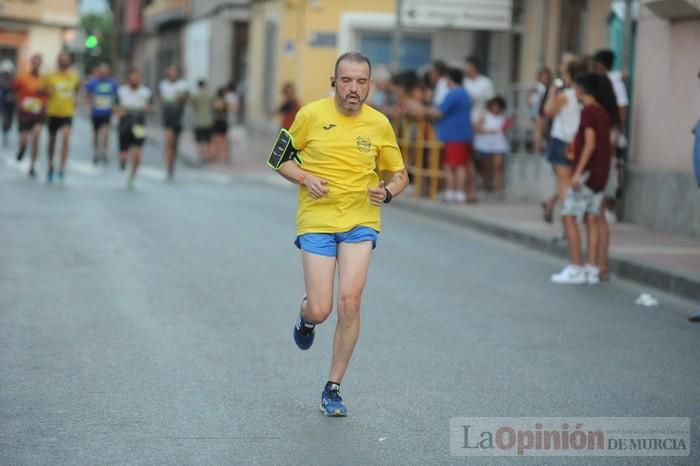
(422, 152)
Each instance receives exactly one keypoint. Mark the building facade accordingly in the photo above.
(553, 27)
(36, 26)
(163, 37)
(661, 192)
(298, 41)
(208, 39)
(221, 28)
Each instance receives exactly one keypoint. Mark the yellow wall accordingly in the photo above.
(41, 23)
(45, 40)
(308, 67)
(315, 64)
(55, 12)
(260, 13)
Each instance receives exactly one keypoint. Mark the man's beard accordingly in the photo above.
(358, 100)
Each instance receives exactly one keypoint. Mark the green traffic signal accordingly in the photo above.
(91, 42)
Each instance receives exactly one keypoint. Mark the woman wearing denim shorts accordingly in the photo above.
(565, 110)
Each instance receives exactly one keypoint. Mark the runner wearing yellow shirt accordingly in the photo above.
(61, 86)
(343, 146)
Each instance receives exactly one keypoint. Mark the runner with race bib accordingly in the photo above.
(31, 100)
(134, 101)
(102, 93)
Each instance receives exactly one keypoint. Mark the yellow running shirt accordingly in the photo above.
(344, 151)
(61, 87)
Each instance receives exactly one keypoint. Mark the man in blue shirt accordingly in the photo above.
(454, 128)
(102, 94)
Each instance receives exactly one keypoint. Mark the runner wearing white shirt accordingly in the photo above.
(133, 100)
(172, 93)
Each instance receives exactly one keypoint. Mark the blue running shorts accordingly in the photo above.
(326, 244)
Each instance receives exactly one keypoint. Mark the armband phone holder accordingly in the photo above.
(283, 151)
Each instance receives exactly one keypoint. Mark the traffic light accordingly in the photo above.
(91, 41)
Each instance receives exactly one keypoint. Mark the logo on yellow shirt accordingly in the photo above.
(364, 144)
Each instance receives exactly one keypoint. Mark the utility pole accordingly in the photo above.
(114, 52)
(396, 45)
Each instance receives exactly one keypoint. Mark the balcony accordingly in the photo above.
(162, 12)
(674, 9)
(62, 13)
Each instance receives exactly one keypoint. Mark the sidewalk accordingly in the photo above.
(666, 262)
(247, 150)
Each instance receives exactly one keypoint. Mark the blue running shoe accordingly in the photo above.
(303, 333)
(61, 176)
(49, 175)
(331, 401)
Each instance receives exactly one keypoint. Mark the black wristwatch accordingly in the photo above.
(388, 197)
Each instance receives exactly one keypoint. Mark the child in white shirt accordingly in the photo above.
(491, 143)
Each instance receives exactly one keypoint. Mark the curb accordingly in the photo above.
(661, 279)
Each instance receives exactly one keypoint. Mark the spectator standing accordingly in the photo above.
(613, 96)
(439, 81)
(563, 108)
(289, 107)
(491, 143)
(603, 62)
(537, 99)
(203, 119)
(7, 97)
(454, 128)
(220, 143)
(233, 101)
(591, 166)
(480, 89)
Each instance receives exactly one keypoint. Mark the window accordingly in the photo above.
(574, 14)
(378, 46)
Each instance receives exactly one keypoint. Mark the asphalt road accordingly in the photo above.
(154, 327)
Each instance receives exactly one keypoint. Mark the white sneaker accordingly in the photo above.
(610, 217)
(460, 197)
(592, 273)
(570, 275)
(449, 196)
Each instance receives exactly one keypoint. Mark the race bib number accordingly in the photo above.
(31, 105)
(139, 131)
(63, 90)
(103, 102)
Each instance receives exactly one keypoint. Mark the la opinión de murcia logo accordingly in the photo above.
(542, 437)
